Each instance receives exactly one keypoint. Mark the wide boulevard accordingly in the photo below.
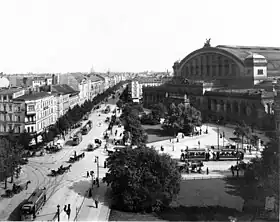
(68, 188)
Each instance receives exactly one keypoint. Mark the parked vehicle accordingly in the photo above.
(90, 147)
(107, 110)
(87, 128)
(34, 203)
(76, 158)
(98, 141)
(77, 138)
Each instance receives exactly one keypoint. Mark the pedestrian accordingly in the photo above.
(89, 193)
(200, 131)
(207, 171)
(232, 170)
(87, 174)
(182, 157)
(65, 209)
(161, 148)
(68, 211)
(96, 203)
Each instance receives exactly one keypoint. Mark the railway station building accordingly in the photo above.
(233, 82)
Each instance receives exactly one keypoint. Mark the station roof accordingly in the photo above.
(272, 54)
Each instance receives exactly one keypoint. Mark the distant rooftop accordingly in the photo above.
(63, 89)
(95, 78)
(33, 96)
(10, 91)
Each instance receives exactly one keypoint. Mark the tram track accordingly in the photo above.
(38, 169)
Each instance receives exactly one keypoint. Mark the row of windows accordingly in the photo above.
(45, 113)
(10, 118)
(10, 108)
(206, 70)
(5, 128)
(6, 97)
(43, 124)
(31, 108)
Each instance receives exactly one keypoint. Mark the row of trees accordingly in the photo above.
(177, 118)
(132, 124)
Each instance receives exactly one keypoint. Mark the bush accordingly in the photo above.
(142, 180)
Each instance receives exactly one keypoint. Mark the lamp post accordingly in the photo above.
(58, 213)
(218, 135)
(97, 162)
(223, 139)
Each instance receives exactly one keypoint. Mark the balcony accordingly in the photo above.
(30, 122)
(30, 112)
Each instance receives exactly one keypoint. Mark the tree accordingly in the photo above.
(24, 139)
(183, 118)
(132, 124)
(243, 131)
(142, 180)
(11, 154)
(119, 104)
(262, 177)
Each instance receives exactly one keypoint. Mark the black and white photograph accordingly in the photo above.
(137, 110)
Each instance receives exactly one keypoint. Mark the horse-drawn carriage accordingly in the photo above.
(23, 161)
(61, 170)
(29, 154)
(53, 149)
(75, 158)
(16, 189)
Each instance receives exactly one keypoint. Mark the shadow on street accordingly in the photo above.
(194, 213)
(15, 214)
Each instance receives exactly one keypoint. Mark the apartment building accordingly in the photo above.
(39, 108)
(66, 98)
(97, 85)
(79, 82)
(39, 81)
(12, 112)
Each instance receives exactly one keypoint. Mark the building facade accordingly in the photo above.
(66, 98)
(39, 111)
(79, 82)
(230, 66)
(97, 85)
(234, 83)
(12, 112)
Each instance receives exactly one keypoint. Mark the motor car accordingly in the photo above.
(98, 141)
(90, 147)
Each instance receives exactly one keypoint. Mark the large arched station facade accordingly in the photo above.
(236, 82)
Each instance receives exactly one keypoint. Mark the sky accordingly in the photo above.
(57, 36)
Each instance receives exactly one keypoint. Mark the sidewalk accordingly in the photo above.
(89, 212)
(211, 175)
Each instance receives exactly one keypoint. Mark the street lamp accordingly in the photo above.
(97, 162)
(218, 134)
